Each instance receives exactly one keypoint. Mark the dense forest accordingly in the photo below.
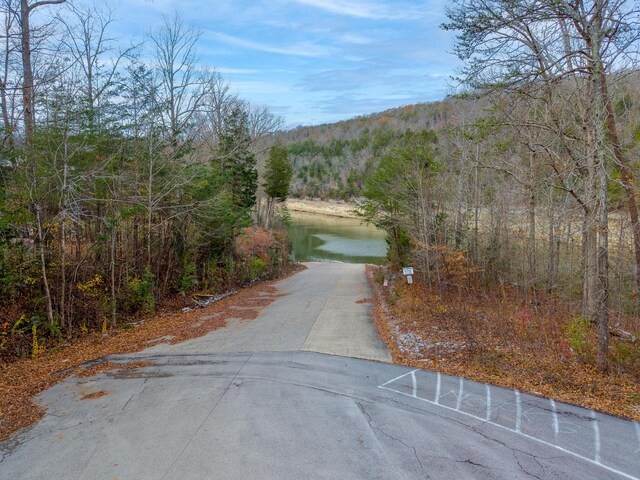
(526, 180)
(124, 182)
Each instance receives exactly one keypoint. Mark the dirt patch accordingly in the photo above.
(501, 340)
(364, 301)
(94, 395)
(21, 380)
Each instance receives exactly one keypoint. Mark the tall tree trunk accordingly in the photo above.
(602, 256)
(532, 257)
(8, 124)
(589, 268)
(63, 275)
(27, 67)
(458, 234)
(27, 70)
(43, 265)
(602, 185)
(63, 240)
(113, 274)
(476, 209)
(149, 204)
(554, 251)
(625, 174)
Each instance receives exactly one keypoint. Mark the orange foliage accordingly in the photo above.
(255, 242)
(454, 268)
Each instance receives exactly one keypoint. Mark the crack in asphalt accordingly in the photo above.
(139, 392)
(471, 462)
(514, 451)
(413, 448)
(207, 417)
(522, 468)
(467, 461)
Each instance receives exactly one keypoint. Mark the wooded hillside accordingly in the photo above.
(333, 161)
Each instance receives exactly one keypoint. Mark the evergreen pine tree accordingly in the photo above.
(238, 162)
(278, 173)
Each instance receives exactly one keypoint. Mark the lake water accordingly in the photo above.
(323, 238)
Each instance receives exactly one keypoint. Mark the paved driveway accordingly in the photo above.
(247, 402)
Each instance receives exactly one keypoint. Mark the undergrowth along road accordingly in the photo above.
(498, 340)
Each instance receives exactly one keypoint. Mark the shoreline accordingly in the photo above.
(319, 207)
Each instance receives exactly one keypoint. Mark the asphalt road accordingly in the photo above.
(278, 414)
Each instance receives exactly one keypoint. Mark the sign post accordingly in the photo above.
(408, 272)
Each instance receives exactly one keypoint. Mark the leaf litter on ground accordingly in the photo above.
(498, 340)
(21, 381)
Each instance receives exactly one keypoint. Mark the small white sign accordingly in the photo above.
(409, 279)
(407, 271)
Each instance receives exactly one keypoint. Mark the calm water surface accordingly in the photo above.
(323, 238)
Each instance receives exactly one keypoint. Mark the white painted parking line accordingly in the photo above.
(488, 417)
(460, 393)
(518, 410)
(399, 377)
(414, 384)
(596, 434)
(517, 430)
(556, 427)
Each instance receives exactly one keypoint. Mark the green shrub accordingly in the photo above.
(140, 294)
(625, 356)
(257, 267)
(188, 279)
(577, 334)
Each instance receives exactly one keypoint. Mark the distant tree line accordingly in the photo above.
(525, 178)
(333, 161)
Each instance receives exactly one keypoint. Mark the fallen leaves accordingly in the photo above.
(22, 380)
(93, 395)
(364, 301)
(501, 341)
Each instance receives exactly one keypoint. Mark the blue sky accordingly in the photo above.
(315, 61)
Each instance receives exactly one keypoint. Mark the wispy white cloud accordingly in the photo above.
(261, 87)
(362, 9)
(312, 61)
(302, 49)
(355, 39)
(236, 71)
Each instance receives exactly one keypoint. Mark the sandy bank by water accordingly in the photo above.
(334, 209)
